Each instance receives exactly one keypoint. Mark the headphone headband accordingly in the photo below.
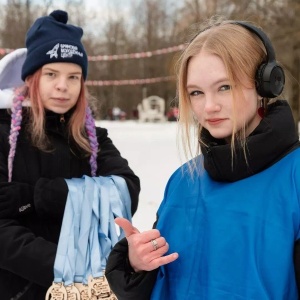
(270, 78)
(262, 36)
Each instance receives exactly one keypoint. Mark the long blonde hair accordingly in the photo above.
(241, 52)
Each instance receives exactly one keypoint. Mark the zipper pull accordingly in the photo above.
(62, 119)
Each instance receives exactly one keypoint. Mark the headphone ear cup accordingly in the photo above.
(270, 80)
(259, 80)
(277, 80)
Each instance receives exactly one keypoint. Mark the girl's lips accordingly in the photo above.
(60, 99)
(215, 121)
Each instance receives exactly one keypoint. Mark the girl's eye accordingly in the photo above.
(225, 87)
(74, 77)
(50, 74)
(195, 93)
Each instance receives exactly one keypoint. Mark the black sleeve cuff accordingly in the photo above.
(124, 282)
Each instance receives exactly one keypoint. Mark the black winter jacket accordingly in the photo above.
(32, 205)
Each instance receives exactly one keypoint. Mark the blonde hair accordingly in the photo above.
(241, 52)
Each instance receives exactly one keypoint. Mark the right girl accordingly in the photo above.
(229, 224)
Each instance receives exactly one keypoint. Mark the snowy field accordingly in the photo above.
(152, 153)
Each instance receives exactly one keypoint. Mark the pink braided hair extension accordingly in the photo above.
(15, 126)
(91, 132)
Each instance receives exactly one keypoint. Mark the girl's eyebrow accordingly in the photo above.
(76, 72)
(192, 86)
(221, 80)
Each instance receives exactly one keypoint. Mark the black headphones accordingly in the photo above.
(269, 77)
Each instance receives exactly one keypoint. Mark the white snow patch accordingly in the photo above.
(152, 153)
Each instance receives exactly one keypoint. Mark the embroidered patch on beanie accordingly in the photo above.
(50, 39)
(66, 50)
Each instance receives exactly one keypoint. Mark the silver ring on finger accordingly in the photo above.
(154, 244)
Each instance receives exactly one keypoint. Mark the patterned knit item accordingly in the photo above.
(50, 40)
(91, 132)
(15, 126)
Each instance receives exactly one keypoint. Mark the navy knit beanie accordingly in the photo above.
(50, 39)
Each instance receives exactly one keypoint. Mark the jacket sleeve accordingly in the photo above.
(110, 162)
(25, 254)
(16, 199)
(124, 282)
(50, 194)
(50, 197)
(21, 252)
(47, 198)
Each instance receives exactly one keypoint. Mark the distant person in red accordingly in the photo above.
(173, 114)
(135, 113)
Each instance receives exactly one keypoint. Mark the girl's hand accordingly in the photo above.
(146, 249)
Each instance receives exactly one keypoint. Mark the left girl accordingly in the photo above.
(52, 139)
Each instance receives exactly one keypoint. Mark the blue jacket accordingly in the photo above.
(236, 240)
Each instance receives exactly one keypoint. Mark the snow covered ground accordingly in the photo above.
(152, 152)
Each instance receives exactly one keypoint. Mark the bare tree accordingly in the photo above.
(17, 16)
(150, 29)
(149, 25)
